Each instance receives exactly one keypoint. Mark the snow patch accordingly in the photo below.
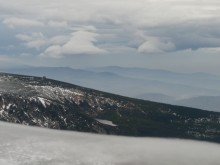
(107, 122)
(1, 111)
(42, 101)
(9, 105)
(79, 94)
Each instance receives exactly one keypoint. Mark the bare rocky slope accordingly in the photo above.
(53, 104)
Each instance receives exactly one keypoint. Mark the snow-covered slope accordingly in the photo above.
(23, 145)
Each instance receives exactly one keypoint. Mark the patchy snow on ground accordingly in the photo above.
(107, 122)
(42, 102)
(26, 145)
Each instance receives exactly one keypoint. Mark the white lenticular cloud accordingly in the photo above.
(27, 145)
(154, 45)
(53, 52)
(80, 42)
(61, 39)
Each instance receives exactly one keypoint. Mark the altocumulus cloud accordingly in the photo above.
(167, 25)
(21, 145)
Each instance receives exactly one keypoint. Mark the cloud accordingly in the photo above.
(85, 28)
(79, 43)
(35, 44)
(22, 144)
(210, 50)
(33, 36)
(25, 54)
(21, 22)
(54, 51)
(136, 13)
(37, 40)
(23, 37)
(154, 45)
(136, 42)
(61, 39)
(186, 25)
(55, 24)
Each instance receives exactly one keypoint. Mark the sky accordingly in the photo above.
(181, 36)
(26, 145)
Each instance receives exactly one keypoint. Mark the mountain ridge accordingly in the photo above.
(113, 69)
(201, 102)
(113, 83)
(61, 105)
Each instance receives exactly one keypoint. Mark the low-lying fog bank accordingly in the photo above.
(25, 145)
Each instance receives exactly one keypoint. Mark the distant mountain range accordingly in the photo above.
(144, 73)
(157, 97)
(44, 102)
(114, 83)
(154, 85)
(203, 102)
(200, 79)
(211, 103)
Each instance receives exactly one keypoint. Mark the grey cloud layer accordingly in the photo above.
(154, 26)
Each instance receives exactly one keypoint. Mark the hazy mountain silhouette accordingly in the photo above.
(200, 79)
(157, 97)
(111, 82)
(202, 102)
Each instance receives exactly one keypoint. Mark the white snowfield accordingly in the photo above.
(26, 145)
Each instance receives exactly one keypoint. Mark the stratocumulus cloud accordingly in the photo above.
(30, 145)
